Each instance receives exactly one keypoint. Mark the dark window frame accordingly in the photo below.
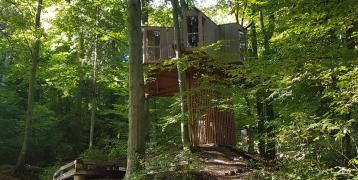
(193, 30)
(153, 39)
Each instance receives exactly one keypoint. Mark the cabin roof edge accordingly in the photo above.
(200, 11)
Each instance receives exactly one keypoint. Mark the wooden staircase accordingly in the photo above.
(87, 169)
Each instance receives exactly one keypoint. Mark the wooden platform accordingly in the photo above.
(86, 169)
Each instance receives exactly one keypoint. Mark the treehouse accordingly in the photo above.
(209, 124)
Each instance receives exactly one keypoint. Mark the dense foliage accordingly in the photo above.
(301, 63)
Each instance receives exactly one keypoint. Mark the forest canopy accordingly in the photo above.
(72, 86)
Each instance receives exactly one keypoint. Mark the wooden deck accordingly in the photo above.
(86, 169)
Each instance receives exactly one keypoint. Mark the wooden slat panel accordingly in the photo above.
(210, 124)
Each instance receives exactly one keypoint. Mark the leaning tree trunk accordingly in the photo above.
(136, 134)
(181, 73)
(31, 91)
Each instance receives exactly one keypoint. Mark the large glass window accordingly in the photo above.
(153, 44)
(193, 31)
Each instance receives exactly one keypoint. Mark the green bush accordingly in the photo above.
(94, 154)
(49, 171)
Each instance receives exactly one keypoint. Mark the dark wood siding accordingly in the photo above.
(209, 124)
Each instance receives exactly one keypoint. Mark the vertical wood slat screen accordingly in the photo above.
(209, 124)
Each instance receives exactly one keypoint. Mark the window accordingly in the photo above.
(153, 45)
(241, 35)
(242, 46)
(193, 31)
(242, 41)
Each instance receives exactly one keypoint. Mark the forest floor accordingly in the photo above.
(224, 162)
(204, 163)
(207, 163)
(7, 173)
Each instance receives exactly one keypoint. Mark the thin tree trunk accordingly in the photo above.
(136, 134)
(94, 84)
(254, 40)
(261, 125)
(250, 130)
(270, 152)
(31, 91)
(146, 117)
(264, 34)
(251, 140)
(347, 146)
(181, 74)
(79, 93)
(271, 137)
(347, 143)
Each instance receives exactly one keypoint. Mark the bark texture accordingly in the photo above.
(181, 73)
(136, 135)
(31, 91)
(94, 84)
(266, 108)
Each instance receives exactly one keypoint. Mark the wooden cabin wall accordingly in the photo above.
(184, 28)
(166, 44)
(209, 124)
(145, 58)
(210, 31)
(230, 34)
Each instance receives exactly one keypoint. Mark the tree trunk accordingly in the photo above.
(254, 40)
(251, 140)
(271, 141)
(181, 73)
(264, 35)
(250, 130)
(136, 134)
(270, 151)
(79, 94)
(31, 91)
(94, 84)
(146, 117)
(261, 125)
(347, 144)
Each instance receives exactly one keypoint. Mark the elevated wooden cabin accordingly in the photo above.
(208, 123)
(197, 30)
